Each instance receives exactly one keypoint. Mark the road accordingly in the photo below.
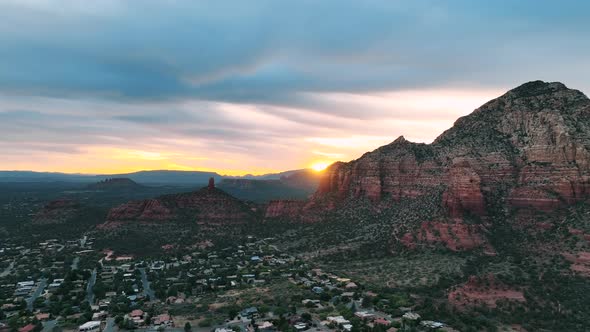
(7, 270)
(49, 325)
(89, 292)
(147, 289)
(75, 263)
(36, 294)
(110, 326)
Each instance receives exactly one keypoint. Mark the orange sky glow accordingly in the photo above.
(418, 115)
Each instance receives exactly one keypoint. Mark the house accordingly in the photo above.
(90, 326)
(136, 313)
(110, 294)
(249, 312)
(28, 283)
(266, 326)
(163, 319)
(306, 301)
(137, 316)
(42, 316)
(382, 321)
(364, 315)
(99, 315)
(351, 285)
(338, 320)
(256, 259)
(411, 316)
(300, 326)
(432, 325)
(317, 290)
(27, 328)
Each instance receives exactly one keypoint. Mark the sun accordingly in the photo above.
(319, 166)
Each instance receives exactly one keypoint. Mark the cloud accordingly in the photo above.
(263, 84)
(265, 51)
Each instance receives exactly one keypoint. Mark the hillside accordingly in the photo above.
(526, 150)
(490, 219)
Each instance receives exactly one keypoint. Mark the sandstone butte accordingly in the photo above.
(208, 205)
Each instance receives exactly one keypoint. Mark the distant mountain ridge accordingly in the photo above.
(115, 184)
(184, 178)
(299, 184)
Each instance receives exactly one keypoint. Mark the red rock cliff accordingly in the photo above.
(208, 206)
(529, 148)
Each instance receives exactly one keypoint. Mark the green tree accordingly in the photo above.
(187, 327)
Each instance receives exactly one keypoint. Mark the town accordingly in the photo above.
(251, 286)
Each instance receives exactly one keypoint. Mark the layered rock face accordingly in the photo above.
(528, 149)
(290, 209)
(209, 206)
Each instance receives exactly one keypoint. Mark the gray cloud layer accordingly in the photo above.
(124, 71)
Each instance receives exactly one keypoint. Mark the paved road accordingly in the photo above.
(110, 327)
(36, 294)
(7, 270)
(147, 288)
(89, 292)
(75, 263)
(49, 325)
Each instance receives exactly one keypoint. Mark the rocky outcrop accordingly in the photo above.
(289, 209)
(483, 291)
(454, 236)
(209, 206)
(149, 209)
(463, 192)
(580, 262)
(528, 149)
(57, 211)
(400, 169)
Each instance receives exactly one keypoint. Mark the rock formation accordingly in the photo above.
(57, 211)
(528, 149)
(208, 205)
(289, 209)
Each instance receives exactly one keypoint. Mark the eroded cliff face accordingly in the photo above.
(290, 209)
(528, 149)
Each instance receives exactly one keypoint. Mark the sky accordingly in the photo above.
(260, 86)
